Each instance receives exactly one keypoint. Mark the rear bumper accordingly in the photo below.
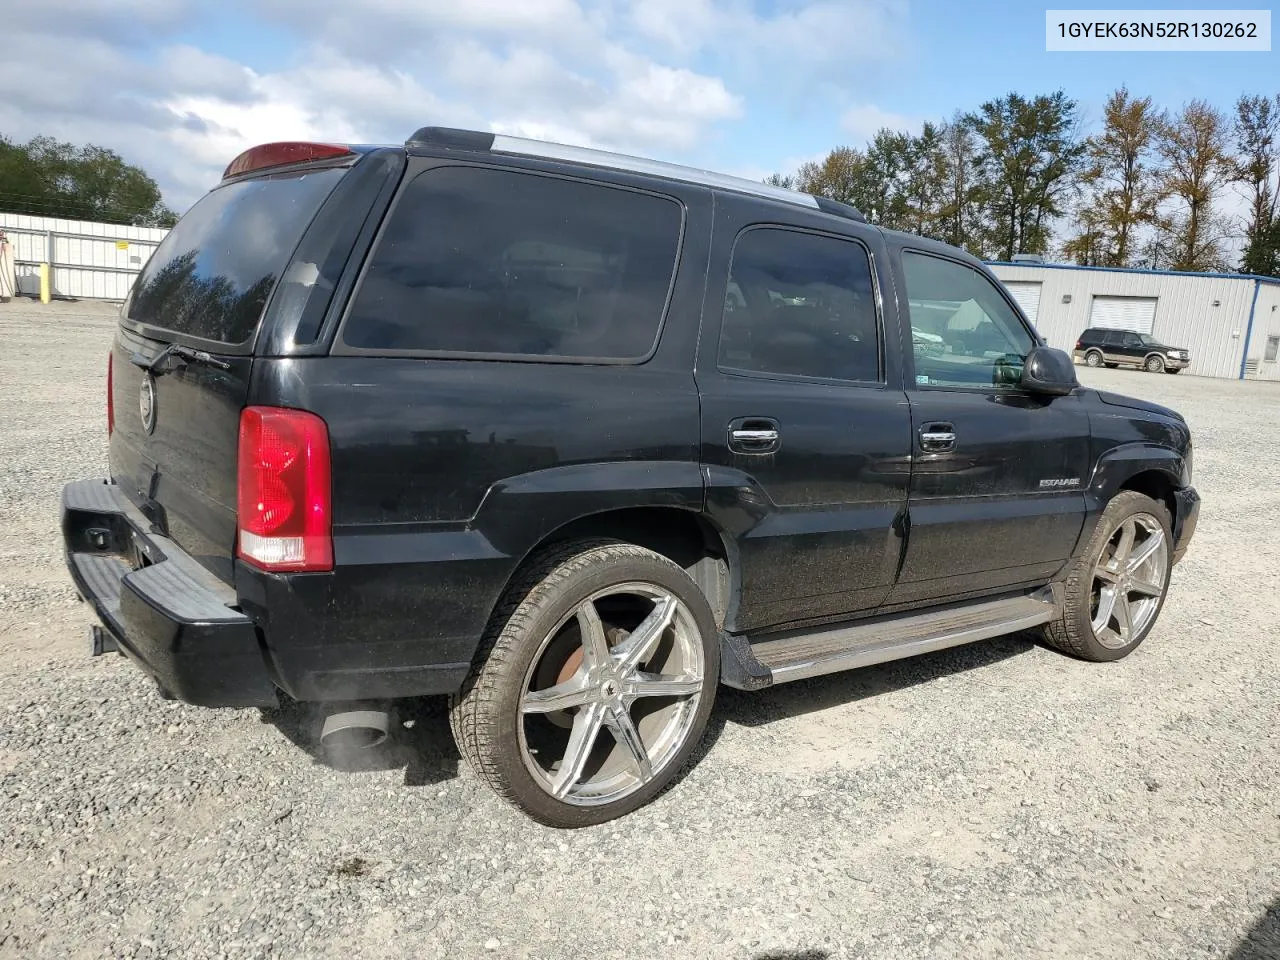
(1185, 519)
(164, 610)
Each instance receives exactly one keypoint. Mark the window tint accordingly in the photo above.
(496, 262)
(965, 332)
(1132, 340)
(800, 304)
(213, 273)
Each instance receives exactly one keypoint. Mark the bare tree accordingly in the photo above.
(1193, 146)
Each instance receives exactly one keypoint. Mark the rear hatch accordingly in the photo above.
(206, 289)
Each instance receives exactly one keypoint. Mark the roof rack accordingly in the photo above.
(451, 138)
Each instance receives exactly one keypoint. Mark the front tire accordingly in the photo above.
(1116, 588)
(593, 684)
(1154, 364)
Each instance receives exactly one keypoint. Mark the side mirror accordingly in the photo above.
(1048, 371)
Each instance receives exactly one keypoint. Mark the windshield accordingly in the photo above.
(213, 273)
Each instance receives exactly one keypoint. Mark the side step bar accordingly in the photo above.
(798, 655)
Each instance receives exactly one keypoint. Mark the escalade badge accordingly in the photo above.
(147, 403)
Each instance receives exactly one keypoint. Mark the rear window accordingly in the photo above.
(213, 273)
(481, 262)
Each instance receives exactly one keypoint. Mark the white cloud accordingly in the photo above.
(654, 77)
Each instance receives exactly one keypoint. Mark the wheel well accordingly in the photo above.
(1156, 485)
(685, 538)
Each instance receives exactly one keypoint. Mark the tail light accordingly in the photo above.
(282, 154)
(111, 399)
(284, 516)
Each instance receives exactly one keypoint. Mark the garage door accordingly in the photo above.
(1123, 313)
(1028, 297)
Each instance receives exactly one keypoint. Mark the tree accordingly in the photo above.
(1257, 130)
(1028, 153)
(1121, 193)
(926, 182)
(840, 176)
(958, 215)
(48, 178)
(1193, 146)
(785, 181)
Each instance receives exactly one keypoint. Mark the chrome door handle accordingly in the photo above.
(755, 436)
(937, 437)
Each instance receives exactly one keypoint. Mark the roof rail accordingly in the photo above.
(451, 138)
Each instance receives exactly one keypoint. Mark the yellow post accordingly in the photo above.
(45, 293)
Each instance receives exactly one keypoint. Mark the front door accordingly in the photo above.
(806, 432)
(998, 474)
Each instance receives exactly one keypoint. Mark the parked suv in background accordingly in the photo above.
(1098, 347)
(574, 438)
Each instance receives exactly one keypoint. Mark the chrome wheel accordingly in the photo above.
(1129, 579)
(1093, 358)
(612, 694)
(1154, 364)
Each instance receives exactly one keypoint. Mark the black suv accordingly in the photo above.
(574, 438)
(1098, 347)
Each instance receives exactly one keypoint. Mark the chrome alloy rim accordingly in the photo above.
(1128, 581)
(611, 695)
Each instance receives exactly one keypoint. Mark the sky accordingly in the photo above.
(740, 86)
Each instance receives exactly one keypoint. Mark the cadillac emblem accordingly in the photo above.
(147, 402)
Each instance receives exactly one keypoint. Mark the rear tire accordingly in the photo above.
(1154, 364)
(1112, 366)
(1093, 358)
(593, 683)
(1116, 587)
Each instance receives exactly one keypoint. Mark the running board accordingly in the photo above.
(802, 654)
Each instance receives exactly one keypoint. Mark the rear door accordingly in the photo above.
(173, 449)
(997, 481)
(805, 428)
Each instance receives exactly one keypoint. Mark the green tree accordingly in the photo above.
(1193, 146)
(1257, 134)
(1121, 193)
(46, 177)
(1028, 153)
(841, 175)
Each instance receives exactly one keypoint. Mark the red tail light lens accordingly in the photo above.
(111, 400)
(280, 154)
(284, 515)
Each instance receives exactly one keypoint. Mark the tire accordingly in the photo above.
(1112, 366)
(1173, 370)
(516, 734)
(1076, 631)
(1093, 358)
(1153, 364)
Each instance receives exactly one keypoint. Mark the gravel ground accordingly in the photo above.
(998, 800)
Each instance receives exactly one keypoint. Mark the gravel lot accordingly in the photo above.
(998, 800)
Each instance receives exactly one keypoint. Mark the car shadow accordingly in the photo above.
(1262, 940)
(421, 743)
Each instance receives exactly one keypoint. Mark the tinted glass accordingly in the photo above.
(212, 274)
(802, 305)
(495, 262)
(965, 332)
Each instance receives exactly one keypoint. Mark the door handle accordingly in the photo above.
(756, 435)
(937, 437)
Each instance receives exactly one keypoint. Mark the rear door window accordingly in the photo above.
(484, 262)
(211, 276)
(800, 304)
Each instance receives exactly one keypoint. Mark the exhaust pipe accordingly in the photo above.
(350, 731)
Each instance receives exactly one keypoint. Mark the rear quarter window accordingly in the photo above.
(483, 262)
(212, 275)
